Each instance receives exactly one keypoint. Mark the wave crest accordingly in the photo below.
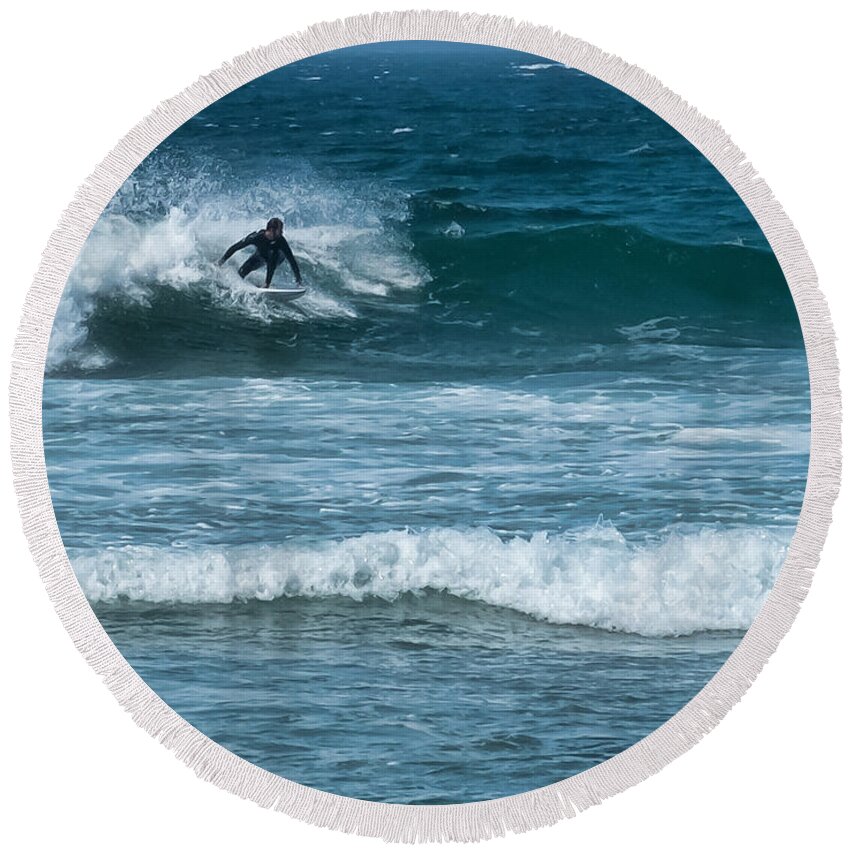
(688, 582)
(160, 237)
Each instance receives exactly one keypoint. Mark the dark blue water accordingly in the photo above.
(500, 494)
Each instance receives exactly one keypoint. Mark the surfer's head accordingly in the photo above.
(274, 228)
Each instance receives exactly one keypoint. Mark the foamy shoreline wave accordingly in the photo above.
(690, 581)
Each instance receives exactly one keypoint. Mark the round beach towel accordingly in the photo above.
(421, 425)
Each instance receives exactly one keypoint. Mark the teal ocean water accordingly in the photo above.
(504, 491)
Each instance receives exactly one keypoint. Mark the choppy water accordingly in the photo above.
(504, 492)
(429, 699)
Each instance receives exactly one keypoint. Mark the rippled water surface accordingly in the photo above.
(499, 494)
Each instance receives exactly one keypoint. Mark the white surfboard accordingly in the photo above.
(283, 294)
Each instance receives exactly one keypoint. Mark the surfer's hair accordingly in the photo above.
(275, 224)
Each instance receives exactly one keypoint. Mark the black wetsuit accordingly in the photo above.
(269, 253)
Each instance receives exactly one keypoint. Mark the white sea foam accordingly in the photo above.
(650, 330)
(774, 438)
(540, 66)
(689, 581)
(337, 233)
(644, 148)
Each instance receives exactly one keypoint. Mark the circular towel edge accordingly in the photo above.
(399, 822)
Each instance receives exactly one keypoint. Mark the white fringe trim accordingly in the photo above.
(469, 821)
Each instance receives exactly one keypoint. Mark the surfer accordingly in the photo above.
(271, 247)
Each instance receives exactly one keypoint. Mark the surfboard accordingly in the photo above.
(283, 294)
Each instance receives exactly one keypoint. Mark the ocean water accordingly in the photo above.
(504, 489)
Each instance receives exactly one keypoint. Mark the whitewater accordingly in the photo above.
(710, 580)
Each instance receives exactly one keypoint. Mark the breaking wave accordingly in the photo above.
(154, 251)
(392, 278)
(688, 581)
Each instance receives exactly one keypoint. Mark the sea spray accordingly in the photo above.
(152, 246)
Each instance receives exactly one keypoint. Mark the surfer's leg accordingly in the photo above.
(274, 262)
(251, 264)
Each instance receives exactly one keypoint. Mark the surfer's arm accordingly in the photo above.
(290, 257)
(236, 246)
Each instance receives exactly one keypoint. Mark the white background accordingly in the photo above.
(77, 77)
